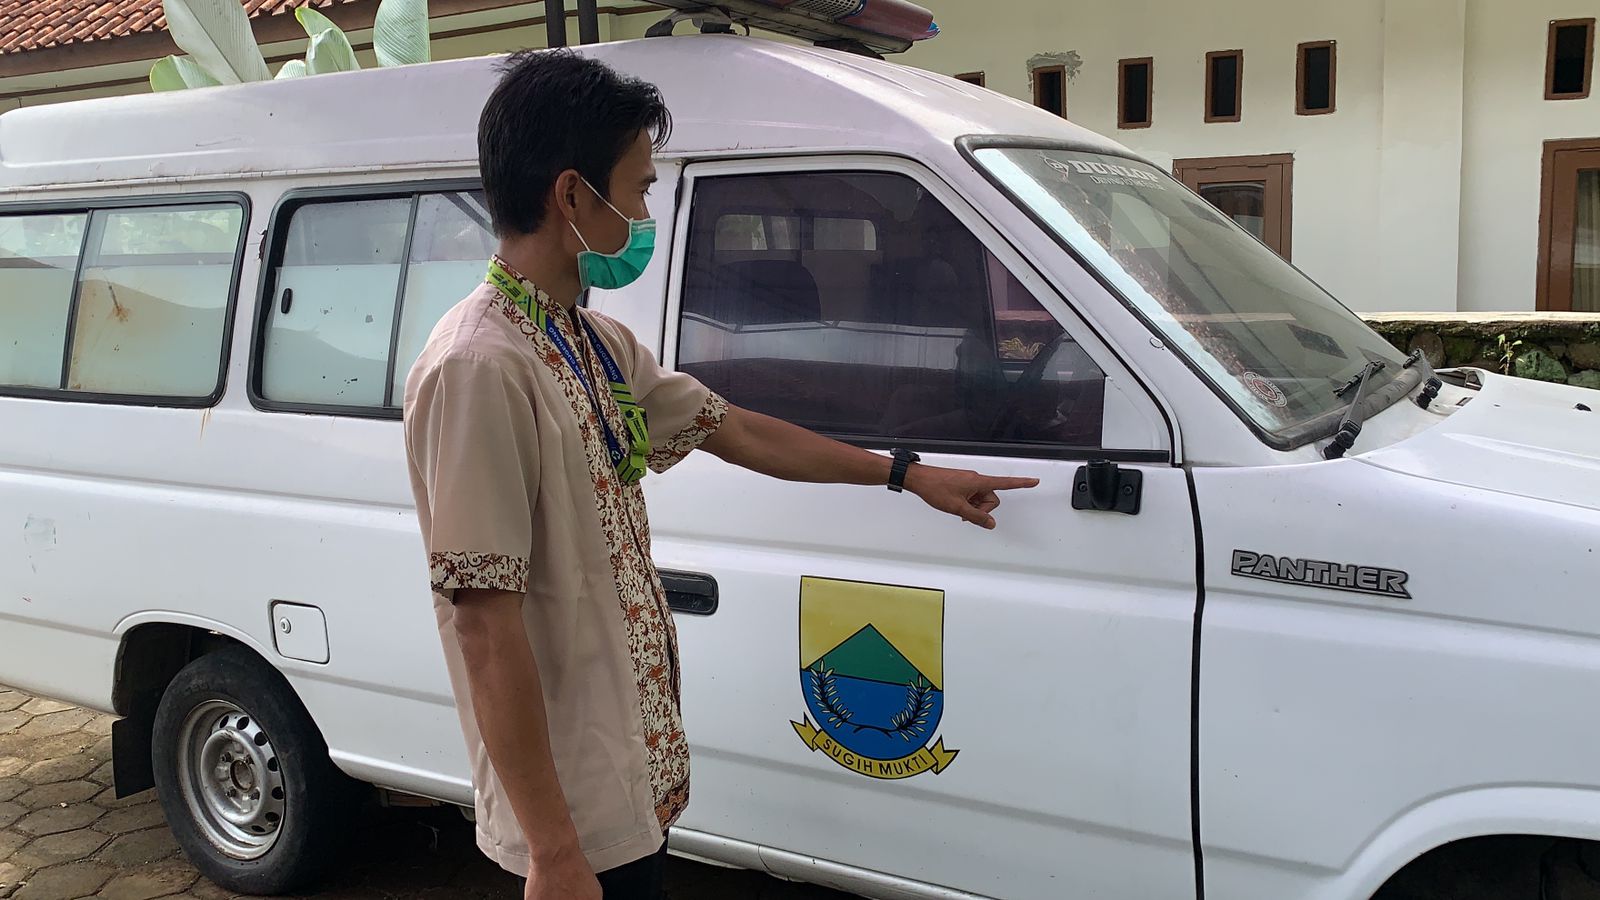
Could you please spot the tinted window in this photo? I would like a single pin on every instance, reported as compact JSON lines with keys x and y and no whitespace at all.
{"x":357,"y":287}
{"x":883,"y":318}
{"x":1136,"y":91}
{"x":1316,"y":87}
{"x":1223,"y":85}
{"x":1571,"y":54}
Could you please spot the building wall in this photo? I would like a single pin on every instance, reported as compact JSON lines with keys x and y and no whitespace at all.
{"x":1336,"y":166}
{"x":1420,"y":192}
{"x":1506,"y":122}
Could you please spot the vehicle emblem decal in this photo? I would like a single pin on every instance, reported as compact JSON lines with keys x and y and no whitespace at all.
{"x":1265,"y":389}
{"x":1374,"y":580}
{"x":872,"y":673}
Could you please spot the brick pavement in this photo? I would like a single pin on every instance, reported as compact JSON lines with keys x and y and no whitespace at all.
{"x":63,"y":835}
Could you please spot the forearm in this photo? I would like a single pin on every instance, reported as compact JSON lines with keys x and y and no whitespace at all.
{"x":778,"y":449}
{"x":508,"y":704}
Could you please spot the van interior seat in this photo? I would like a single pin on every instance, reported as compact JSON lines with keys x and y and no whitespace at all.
{"x":761,"y":292}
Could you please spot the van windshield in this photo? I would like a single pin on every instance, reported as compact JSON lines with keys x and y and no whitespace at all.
{"x":1274,"y":343}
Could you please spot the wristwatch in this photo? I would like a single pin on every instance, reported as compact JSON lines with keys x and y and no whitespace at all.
{"x":903,"y":459}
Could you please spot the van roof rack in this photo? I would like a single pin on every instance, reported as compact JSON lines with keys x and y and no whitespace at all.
{"x":869,"y":27}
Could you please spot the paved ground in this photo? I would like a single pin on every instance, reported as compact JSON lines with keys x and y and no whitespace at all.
{"x":63,"y":836}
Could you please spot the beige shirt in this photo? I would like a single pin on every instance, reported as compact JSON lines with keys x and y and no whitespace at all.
{"x":515,"y":491}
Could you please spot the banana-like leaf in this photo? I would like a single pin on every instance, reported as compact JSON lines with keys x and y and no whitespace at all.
{"x":216,"y":33}
{"x":175,"y":73}
{"x":294,"y":68}
{"x":400,"y":32}
{"x":330,"y":52}
{"x":312,"y":21}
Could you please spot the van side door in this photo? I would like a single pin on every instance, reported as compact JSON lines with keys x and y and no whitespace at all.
{"x":877,"y":693}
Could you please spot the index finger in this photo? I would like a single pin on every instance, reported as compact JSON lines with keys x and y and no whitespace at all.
{"x":995,"y":483}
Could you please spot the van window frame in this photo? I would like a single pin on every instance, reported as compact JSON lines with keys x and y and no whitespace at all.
{"x":88,"y":207}
{"x":1102,"y":351}
{"x":272,"y":248}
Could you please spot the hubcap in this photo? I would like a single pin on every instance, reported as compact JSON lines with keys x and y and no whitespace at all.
{"x":231,"y":779}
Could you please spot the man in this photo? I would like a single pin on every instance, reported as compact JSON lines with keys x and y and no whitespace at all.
{"x":528,"y":425}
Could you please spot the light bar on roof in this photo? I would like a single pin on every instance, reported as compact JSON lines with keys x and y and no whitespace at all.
{"x":894,"y":18}
{"x":884,"y":26}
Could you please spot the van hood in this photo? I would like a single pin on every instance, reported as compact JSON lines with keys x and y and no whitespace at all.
{"x":1512,"y":436}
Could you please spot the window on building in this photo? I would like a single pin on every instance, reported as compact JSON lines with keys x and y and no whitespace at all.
{"x":1254,"y":191}
{"x":1315,"y":78}
{"x":1569,"y":227}
{"x":1569,"y":59}
{"x":356,"y":287}
{"x":1050,"y":89}
{"x":887,"y":320}
{"x":1224,"y":85}
{"x":1135,"y":92}
{"x":976,"y":78}
{"x":122,"y":303}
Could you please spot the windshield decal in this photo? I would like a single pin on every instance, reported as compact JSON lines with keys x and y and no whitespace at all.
{"x":1374,"y":580}
{"x":1264,"y":388}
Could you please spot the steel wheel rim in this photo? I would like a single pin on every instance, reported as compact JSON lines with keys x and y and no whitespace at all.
{"x":231,"y":780}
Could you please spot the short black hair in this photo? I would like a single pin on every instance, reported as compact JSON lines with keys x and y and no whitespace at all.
{"x":555,"y":110}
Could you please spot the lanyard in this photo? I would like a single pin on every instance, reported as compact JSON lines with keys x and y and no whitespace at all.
{"x":629,"y":463}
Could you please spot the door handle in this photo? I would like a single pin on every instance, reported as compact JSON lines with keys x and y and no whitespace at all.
{"x":692,"y":593}
{"x":1102,"y":485}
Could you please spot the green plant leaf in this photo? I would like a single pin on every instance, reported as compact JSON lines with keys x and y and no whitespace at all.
{"x":216,"y":34}
{"x":312,"y":21}
{"x":164,"y":75}
{"x":174,"y":73}
{"x":294,"y":68}
{"x":330,"y":52}
{"x":400,"y":32}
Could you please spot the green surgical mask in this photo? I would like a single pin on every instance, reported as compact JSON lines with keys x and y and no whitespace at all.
{"x":610,"y":271}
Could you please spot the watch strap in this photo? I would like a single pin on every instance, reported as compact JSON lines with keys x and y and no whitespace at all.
{"x":897,"y":470}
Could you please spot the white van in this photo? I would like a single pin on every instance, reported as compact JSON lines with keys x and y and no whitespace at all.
{"x":1209,"y":655}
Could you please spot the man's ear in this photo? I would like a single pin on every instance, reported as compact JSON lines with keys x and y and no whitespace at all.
{"x":565,"y":193}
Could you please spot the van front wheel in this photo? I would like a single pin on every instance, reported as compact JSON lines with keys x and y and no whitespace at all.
{"x":244,"y":776}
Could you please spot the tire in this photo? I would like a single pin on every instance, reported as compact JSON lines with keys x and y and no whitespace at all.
{"x":244,"y":777}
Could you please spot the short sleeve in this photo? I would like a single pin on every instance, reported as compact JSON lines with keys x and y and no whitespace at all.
{"x":681,"y":411}
{"x":473,"y":448}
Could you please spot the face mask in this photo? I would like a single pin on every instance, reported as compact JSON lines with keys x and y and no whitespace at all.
{"x":610,"y":271}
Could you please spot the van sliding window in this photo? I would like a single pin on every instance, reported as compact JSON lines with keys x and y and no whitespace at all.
{"x":120,"y":303}
{"x":355,"y":285}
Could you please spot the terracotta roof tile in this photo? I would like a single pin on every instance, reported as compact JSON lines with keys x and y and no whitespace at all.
{"x":32,"y":24}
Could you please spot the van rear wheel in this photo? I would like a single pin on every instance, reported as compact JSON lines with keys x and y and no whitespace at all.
{"x":244,"y":777}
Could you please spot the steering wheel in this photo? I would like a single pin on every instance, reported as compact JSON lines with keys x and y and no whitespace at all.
{"x":1005,"y":425}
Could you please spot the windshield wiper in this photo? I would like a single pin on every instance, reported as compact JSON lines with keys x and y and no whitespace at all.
{"x":1350,"y":425}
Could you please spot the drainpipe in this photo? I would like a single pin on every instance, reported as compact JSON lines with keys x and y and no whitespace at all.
{"x":588,"y":22}
{"x":555,"y":23}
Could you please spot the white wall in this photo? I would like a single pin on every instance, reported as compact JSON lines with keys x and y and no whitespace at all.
{"x":1420,"y":193}
{"x":1506,"y":122}
{"x":1337,"y":164}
